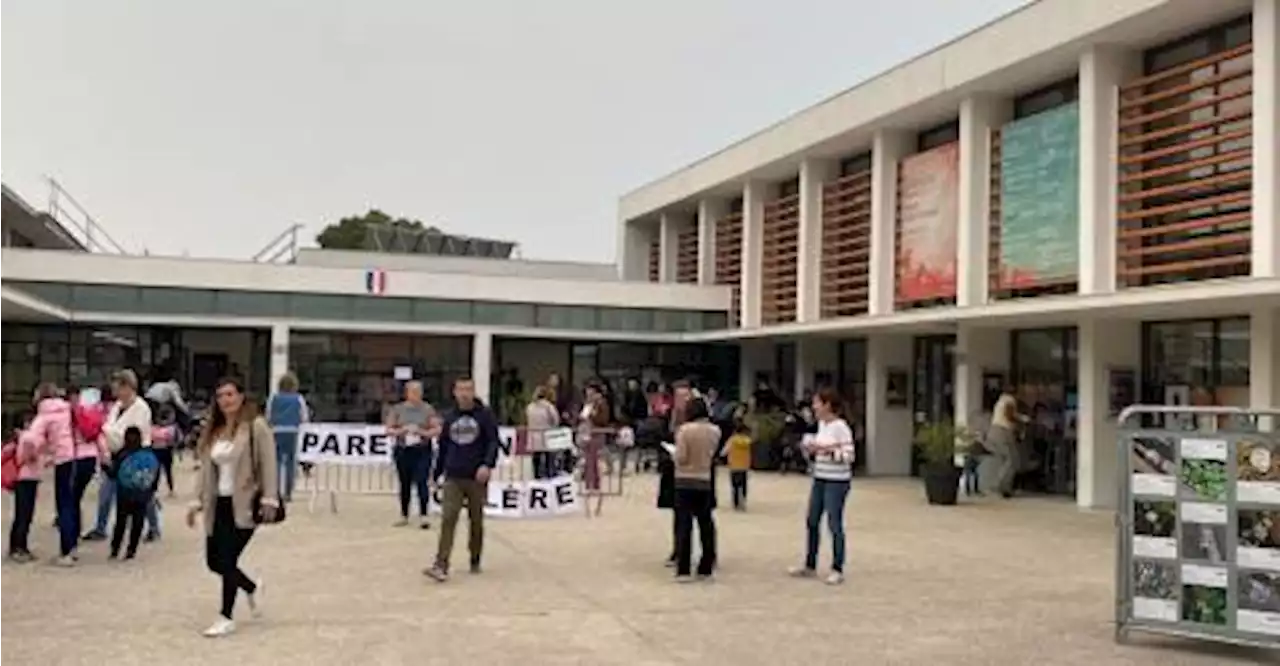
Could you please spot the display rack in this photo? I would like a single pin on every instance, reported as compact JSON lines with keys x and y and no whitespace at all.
{"x":1198,"y":538}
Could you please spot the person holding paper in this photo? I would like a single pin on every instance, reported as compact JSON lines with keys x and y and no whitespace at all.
{"x":833,"y":455}
{"x":413,"y":423}
{"x":697,"y":443}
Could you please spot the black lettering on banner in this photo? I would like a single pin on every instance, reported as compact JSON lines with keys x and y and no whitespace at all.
{"x":537,"y":497}
{"x":510,"y":498}
{"x":378,"y":444}
{"x":564,"y":493}
{"x":310,"y":440}
{"x":330,"y":445}
{"x":355,"y":445}
{"x":505,"y":444}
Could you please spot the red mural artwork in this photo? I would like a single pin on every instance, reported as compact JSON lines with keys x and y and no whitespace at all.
{"x":929,"y":222}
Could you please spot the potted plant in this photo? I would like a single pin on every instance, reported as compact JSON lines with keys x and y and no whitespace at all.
{"x":936,"y":443}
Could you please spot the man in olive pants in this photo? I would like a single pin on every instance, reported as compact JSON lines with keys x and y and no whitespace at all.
{"x":468,"y":450}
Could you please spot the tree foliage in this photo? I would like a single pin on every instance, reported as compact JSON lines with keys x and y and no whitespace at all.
{"x":349,"y":232}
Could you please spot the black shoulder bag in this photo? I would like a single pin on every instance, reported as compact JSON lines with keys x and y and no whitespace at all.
{"x":256,"y":505}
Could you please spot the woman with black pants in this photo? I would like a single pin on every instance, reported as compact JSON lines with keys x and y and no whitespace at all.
{"x":237,"y":456}
{"x":697,"y":443}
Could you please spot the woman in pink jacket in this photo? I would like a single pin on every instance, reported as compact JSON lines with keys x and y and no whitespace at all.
{"x":30,"y":464}
{"x":53,"y":432}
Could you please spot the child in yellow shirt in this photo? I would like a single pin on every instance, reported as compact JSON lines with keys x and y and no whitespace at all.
{"x":739,"y":454}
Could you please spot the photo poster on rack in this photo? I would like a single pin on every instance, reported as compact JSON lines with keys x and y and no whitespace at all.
{"x":1257,"y":528}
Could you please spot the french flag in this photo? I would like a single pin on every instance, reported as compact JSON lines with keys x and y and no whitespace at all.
{"x":375,"y":281}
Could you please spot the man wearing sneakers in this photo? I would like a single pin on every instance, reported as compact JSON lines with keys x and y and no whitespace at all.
{"x":468,"y":450}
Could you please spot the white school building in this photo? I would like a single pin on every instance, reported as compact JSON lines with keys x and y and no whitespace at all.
{"x":1078,"y":199}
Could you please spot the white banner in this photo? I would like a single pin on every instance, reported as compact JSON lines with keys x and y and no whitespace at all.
{"x":344,"y":444}
{"x":543,"y":498}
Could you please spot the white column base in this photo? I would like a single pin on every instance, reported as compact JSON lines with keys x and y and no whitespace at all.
{"x":279,"y":364}
{"x":1264,"y":364}
{"x":481,"y":364}
{"x":1105,"y":345}
{"x":889,"y":429}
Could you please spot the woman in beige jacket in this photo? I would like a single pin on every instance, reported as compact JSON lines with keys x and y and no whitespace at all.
{"x":237,"y":457}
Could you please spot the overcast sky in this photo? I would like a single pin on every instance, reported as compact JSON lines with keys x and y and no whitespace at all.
{"x":208,"y":127}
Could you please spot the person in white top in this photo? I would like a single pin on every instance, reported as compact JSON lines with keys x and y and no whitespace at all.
{"x":128,"y":411}
{"x":832,"y":453}
{"x":1002,"y":441}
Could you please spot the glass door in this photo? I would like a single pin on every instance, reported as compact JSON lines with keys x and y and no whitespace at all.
{"x":933,"y":390}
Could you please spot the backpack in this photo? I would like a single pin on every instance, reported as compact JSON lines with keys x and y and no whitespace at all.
{"x":138,"y":472}
{"x":89,"y":420}
{"x":9,"y":469}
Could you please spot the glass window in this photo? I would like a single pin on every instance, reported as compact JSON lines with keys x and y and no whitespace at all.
{"x":320,"y":306}
{"x":430,"y":309}
{"x":1233,"y":345}
{"x":56,"y":293}
{"x":1051,"y":96}
{"x":675,"y":320}
{"x":566,"y":316}
{"x":252,"y":303}
{"x":381,"y":308}
{"x":855,"y":164}
{"x":176,"y":301}
{"x":941,"y":135}
{"x":1196,"y":360}
{"x":626,"y":319}
{"x":715,"y":321}
{"x":104,"y":298}
{"x":504,"y":314}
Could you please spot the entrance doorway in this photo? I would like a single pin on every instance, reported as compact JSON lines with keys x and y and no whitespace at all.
{"x":933,"y":391}
{"x":1045,"y":381}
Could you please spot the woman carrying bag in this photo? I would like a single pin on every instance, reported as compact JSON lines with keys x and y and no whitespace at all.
{"x":236,"y":489}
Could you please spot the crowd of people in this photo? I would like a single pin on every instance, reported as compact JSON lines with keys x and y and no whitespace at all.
{"x":246,"y":465}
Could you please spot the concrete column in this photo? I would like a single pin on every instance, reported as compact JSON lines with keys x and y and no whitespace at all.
{"x":709,"y":210}
{"x":633,"y":251}
{"x":1266,"y":138}
{"x":814,"y":356}
{"x":888,"y":148}
{"x":979,"y":115}
{"x":668,"y":245}
{"x":1264,"y":363}
{"x":1105,"y":345}
{"x":752,"y":251}
{"x":813,"y":173}
{"x":978,"y":351}
{"x":481,"y":363}
{"x":1102,"y":69}
{"x":889,"y":429}
{"x":279,"y":363}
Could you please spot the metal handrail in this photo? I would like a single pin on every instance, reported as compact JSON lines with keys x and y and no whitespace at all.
{"x":281,"y":249}
{"x":95,"y":236}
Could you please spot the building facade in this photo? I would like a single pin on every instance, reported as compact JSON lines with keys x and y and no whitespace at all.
{"x":1078,"y":198}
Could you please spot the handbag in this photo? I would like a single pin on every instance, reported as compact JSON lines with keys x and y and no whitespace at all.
{"x":256,"y":505}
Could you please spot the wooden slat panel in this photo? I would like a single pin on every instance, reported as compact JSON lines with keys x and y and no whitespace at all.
{"x":780,"y":252}
{"x":687,"y":255}
{"x":655,"y":258}
{"x":1185,"y":172}
{"x":728,"y":248}
{"x":846,"y":246}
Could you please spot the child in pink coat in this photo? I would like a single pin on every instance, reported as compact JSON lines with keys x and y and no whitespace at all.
{"x":31,"y":462}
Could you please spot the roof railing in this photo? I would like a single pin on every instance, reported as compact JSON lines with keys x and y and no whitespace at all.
{"x":68,"y":212}
{"x":283,"y":249}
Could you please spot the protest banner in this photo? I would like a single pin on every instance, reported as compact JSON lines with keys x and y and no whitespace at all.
{"x":344,"y":444}
{"x":543,"y":498}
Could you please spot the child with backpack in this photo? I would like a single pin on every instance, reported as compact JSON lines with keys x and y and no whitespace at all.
{"x":23,"y":462}
{"x":136,"y":471}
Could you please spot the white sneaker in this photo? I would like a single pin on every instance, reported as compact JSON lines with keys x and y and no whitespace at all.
{"x":801,"y":572}
{"x":254,"y":609}
{"x":66,"y":561}
{"x":221,"y":627}
{"x":834,"y":578}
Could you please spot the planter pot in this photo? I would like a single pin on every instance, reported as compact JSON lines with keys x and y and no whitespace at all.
{"x":942,"y":483}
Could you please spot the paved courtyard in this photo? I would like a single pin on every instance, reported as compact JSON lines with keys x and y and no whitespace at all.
{"x":1025,"y":582}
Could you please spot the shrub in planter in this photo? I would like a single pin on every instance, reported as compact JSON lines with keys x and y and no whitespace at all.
{"x":936,"y":443}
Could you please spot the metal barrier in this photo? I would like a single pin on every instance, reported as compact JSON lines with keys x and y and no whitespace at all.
{"x":521,"y":457}
{"x":1198,"y":525}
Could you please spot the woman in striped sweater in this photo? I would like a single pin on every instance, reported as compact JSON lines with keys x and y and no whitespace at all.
{"x":831,"y":451}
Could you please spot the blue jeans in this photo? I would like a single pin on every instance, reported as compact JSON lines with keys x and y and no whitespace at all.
{"x":107,"y":499}
{"x":286,"y":462}
{"x":70,"y":479}
{"x":826,"y":497}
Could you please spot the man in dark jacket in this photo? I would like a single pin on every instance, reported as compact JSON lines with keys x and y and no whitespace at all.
{"x":468,"y":451}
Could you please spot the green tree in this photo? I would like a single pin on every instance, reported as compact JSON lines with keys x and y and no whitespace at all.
{"x":349,"y":232}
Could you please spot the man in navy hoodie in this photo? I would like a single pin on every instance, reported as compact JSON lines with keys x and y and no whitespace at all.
{"x":468,"y":451}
